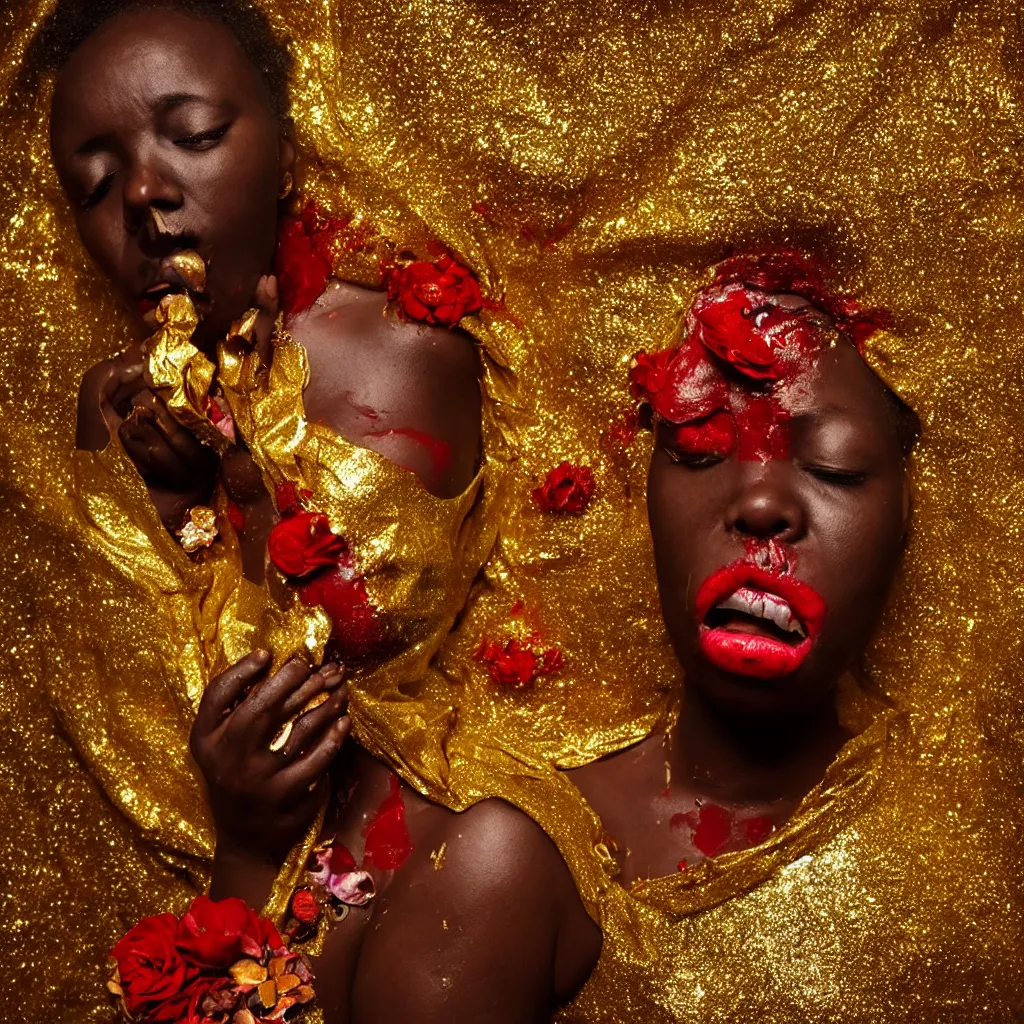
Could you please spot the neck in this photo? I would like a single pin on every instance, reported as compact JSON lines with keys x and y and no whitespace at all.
{"x":754,"y":759}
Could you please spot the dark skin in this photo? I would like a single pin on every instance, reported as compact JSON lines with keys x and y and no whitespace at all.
{"x":841,"y":502}
{"x":162,"y":111}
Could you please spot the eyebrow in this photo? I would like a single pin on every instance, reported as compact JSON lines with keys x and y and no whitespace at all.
{"x":167,"y":102}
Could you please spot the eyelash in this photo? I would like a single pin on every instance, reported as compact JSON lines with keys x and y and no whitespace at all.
{"x":200,"y":139}
{"x":98,"y":194}
{"x":837,"y":477}
{"x":695,"y":462}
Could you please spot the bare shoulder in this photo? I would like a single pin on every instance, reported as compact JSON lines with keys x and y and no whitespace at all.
{"x":478,"y":918}
{"x":407,"y":390}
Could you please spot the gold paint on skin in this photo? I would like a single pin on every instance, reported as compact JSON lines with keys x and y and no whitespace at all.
{"x":612,"y":154}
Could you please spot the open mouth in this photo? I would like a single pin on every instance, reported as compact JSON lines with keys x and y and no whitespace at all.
{"x":181,"y":273}
{"x":757,"y":623}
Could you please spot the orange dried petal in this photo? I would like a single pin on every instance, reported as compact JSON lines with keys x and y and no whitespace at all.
{"x":248,"y":972}
{"x":268,"y":993}
{"x":278,"y":966}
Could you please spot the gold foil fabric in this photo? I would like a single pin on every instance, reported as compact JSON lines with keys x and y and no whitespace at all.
{"x":588,"y":162}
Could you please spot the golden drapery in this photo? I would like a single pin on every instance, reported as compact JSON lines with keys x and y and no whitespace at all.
{"x":588,"y":163}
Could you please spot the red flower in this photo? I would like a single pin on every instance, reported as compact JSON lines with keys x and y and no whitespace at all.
{"x":341,"y":592}
{"x":566,"y":489}
{"x":725,"y":324}
{"x":305,"y":257}
{"x":388,"y":844}
{"x":305,"y":908}
{"x":439,"y":293}
{"x":303,"y":542}
{"x":693,"y":387}
{"x":649,"y":373}
{"x":515,"y":664}
{"x":217,"y":933}
{"x":157,"y":982}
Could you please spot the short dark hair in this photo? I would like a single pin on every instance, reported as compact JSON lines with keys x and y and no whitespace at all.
{"x":73,"y":21}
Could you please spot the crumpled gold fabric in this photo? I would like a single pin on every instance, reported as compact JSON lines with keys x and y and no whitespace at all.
{"x":588,"y":163}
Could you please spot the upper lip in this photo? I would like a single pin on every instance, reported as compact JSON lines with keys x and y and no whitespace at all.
{"x":778,"y":597}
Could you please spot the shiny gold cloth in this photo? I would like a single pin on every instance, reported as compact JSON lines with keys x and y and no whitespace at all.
{"x":588,"y":163}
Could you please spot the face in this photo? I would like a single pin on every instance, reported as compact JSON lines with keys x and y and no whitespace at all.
{"x":164,"y":139}
{"x":774,"y":560}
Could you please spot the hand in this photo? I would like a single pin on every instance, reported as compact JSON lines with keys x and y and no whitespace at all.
{"x":262,"y":800}
{"x":169,"y":457}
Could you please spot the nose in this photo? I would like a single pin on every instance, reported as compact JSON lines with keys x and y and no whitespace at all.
{"x":146,"y":188}
{"x":766,"y":505}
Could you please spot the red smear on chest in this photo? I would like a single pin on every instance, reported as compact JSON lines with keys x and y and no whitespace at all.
{"x":388,"y":844}
{"x":757,"y":830}
{"x":710,"y":826}
{"x":440,"y":452}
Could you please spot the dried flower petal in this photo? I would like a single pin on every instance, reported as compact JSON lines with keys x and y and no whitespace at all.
{"x":201,"y":529}
{"x":267,"y":993}
{"x":248,"y":972}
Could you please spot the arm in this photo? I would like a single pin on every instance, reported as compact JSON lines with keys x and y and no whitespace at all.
{"x":497,"y":935}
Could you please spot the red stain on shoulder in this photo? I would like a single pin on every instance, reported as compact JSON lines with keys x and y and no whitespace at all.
{"x":440,"y":452}
{"x":711,"y":826}
{"x":388,"y":844}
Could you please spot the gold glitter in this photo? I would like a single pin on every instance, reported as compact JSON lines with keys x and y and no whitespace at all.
{"x":589,"y":162}
{"x":437,"y":856}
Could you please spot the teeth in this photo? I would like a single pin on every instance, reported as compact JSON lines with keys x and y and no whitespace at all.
{"x":764,"y":606}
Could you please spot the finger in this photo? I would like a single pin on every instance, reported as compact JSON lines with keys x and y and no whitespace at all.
{"x":328,"y":678}
{"x":259,"y":714}
{"x":307,"y":769}
{"x":308,"y":726}
{"x":181,"y":441}
{"x":269,"y":305}
{"x":118,"y":378}
{"x":225,"y":689}
{"x":145,"y":445}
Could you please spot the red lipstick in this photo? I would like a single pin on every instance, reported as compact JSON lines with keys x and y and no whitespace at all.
{"x":777,"y":598}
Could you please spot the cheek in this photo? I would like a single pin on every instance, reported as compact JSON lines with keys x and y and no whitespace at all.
{"x":863,"y":542}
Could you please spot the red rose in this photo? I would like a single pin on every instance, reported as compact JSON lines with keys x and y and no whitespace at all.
{"x":515,"y":664}
{"x":157,"y":983}
{"x":567,"y":489}
{"x":648,"y":373}
{"x":439,"y":293}
{"x":305,"y":908}
{"x":305,"y":257}
{"x":217,"y":933}
{"x":724,"y":322}
{"x":689,"y":385}
{"x":303,"y":542}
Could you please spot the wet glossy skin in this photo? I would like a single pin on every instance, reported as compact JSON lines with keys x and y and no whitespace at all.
{"x":161,"y":110}
{"x":839,"y":505}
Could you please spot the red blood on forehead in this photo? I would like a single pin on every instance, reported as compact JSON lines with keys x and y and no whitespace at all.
{"x":762,"y":428}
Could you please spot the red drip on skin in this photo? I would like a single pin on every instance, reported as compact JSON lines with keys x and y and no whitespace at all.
{"x":763,"y":429}
{"x":440,"y":452}
{"x":713,"y":828}
{"x":388,"y":843}
{"x":752,"y":655}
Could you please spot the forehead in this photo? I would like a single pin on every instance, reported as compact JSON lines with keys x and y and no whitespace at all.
{"x":133,"y":60}
{"x":840,"y":382}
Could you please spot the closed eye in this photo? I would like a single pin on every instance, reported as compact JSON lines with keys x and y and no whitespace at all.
{"x":837,"y":477}
{"x":98,"y":194}
{"x":693,"y":460}
{"x":203,"y":140}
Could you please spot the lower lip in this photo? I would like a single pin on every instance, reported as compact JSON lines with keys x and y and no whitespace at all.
{"x":746,"y":654}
